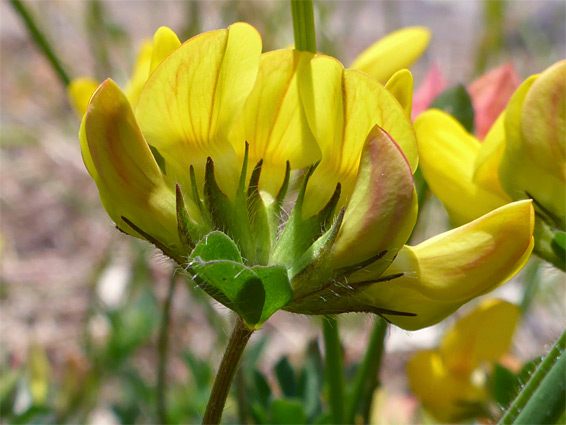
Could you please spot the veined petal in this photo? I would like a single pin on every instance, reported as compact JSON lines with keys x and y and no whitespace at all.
{"x":444,"y":272}
{"x":139,"y":73}
{"x":483,"y":335}
{"x":273,"y":121}
{"x":342,"y":106}
{"x":447,"y":157}
{"x":543,"y":120}
{"x":191,"y":100}
{"x":490,"y":94}
{"x":486,"y":165}
{"x":537,"y":179}
{"x":129,"y":180}
{"x":401,"y":86}
{"x":80,"y":90}
{"x":165,"y":42}
{"x":447,"y":396}
{"x":393,"y":52}
{"x":382,"y":211}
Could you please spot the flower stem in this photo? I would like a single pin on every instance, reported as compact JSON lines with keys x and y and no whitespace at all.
{"x":162,"y":351}
{"x":334,"y":368}
{"x":226,"y":372}
{"x":542,"y":399}
{"x":366,"y":377}
{"x":40,"y":41}
{"x":303,"y":25}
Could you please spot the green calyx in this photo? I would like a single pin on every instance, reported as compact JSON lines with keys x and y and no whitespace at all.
{"x":243,"y":255}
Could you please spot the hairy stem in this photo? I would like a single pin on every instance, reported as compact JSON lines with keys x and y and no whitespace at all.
{"x":162,"y":351}
{"x":334,"y":368}
{"x":226,"y":372}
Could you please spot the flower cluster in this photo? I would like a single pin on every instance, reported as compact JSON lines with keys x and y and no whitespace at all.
{"x":523,"y":156}
{"x":283,"y":180}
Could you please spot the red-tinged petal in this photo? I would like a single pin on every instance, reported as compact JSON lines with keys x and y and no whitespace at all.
{"x":382,"y":211}
{"x":129,"y":180}
{"x":490,"y":95}
{"x":443,"y":273}
{"x":431,"y":87}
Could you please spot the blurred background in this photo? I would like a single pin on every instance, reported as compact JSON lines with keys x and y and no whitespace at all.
{"x":81,"y":303}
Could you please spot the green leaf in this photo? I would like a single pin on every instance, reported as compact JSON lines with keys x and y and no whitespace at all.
{"x":201,"y":370}
{"x":542,"y":399}
{"x":559,"y":243}
{"x":263,"y":392}
{"x":504,"y":385}
{"x":259,"y":414}
{"x":217,"y":246}
{"x":548,"y":402}
{"x":457,"y":102}
{"x":287,"y":412}
{"x":254,"y":293}
{"x":278,"y":290}
{"x":286,"y":377}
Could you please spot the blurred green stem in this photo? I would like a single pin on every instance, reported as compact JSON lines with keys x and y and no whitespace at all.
{"x":303,"y":25}
{"x":334,"y":368}
{"x":226,"y":372}
{"x":98,"y":37}
{"x":541,"y":400}
{"x":531,"y":285}
{"x":162,"y":347}
{"x":40,"y":40}
{"x":366,"y":378}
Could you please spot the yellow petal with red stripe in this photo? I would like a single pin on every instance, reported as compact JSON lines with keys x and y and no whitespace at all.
{"x":190,"y":101}
{"x":442,"y":273}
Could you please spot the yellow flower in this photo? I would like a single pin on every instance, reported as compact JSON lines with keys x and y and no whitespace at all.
{"x":394,"y":52}
{"x":201,"y":163}
{"x":522,"y":157}
{"x":387,"y":59}
{"x":472,"y":178}
{"x":448,"y":379}
{"x":149,"y":56}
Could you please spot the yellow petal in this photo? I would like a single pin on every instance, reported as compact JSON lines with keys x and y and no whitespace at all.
{"x":393,"y":52}
{"x":79,"y":91}
{"x":129,"y":180}
{"x":191,"y":100}
{"x":537,"y":179}
{"x":543,"y":120}
{"x":446,"y":396}
{"x":139,"y":73}
{"x":483,"y":335}
{"x":273,"y":121}
{"x":447,"y":156}
{"x":165,"y":41}
{"x":486,"y":165}
{"x":342,"y":106}
{"x":444,"y":272}
{"x":401,"y":86}
{"x":382,"y":212}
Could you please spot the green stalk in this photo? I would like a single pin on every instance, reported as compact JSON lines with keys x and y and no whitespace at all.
{"x":162,"y":351}
{"x":334,"y":369}
{"x":303,"y":25}
{"x":226,"y":372}
{"x":40,"y":40}
{"x":366,"y":377}
{"x":542,"y":399}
